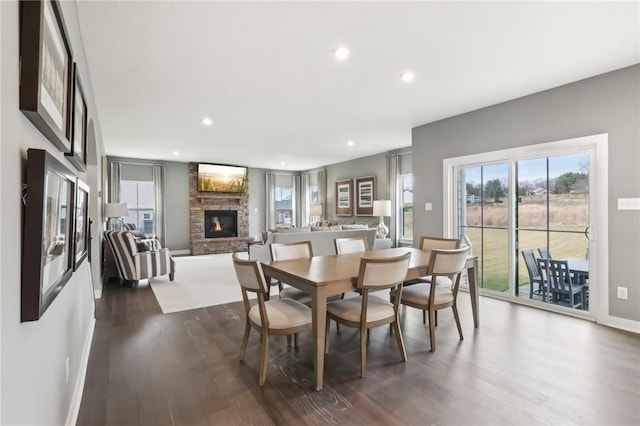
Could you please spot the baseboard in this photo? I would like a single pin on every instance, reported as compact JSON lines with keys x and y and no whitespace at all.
{"x":76,"y":400}
{"x":621,"y":324}
{"x":180,"y":252}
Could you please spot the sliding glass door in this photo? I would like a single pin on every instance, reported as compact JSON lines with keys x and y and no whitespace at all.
{"x":527,"y":217}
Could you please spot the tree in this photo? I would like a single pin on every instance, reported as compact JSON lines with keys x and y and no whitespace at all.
{"x":494,"y":189}
{"x":570,"y":181}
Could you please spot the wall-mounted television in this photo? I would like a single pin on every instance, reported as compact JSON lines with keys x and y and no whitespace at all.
{"x":221,"y":178}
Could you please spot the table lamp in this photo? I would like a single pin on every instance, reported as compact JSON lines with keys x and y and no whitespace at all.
{"x":115,"y":212}
{"x":382,"y":208}
{"x":315,"y":211}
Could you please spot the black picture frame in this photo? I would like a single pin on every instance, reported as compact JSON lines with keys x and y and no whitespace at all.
{"x":80,"y":224}
{"x":46,"y":61}
{"x":47,"y":259}
{"x":365,"y":188}
{"x":78,"y":154}
{"x":344,"y":197}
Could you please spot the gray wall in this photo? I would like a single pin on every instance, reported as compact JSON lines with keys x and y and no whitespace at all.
{"x":257,"y":202}
{"x":373,"y":165}
{"x":609,"y":103}
{"x":33,"y":355}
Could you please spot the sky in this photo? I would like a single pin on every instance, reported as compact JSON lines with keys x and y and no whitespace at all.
{"x":531,"y":169}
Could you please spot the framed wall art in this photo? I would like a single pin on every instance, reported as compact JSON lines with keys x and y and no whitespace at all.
{"x":46,"y":71}
{"x":78,"y":156}
{"x":365,"y":194}
{"x":47,"y":258}
{"x":80,"y":224}
{"x":344,"y":196}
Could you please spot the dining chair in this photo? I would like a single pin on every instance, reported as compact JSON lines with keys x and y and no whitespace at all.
{"x":432,"y":298}
{"x":563,"y":290}
{"x":299,"y":250}
{"x":350,"y":245}
{"x":270,"y":317}
{"x":366,"y":312}
{"x":535,"y":276}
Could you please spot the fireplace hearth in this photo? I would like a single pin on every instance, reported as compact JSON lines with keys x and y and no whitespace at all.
{"x":220,"y":223}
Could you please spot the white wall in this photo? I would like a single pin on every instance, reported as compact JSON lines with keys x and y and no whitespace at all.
{"x":34,"y":389}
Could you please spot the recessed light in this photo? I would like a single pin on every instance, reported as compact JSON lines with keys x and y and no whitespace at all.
{"x":283,"y":164}
{"x":349,"y":143}
{"x":341,"y":53}
{"x":175,"y":152}
{"x":407,"y":76}
{"x":207,"y":121}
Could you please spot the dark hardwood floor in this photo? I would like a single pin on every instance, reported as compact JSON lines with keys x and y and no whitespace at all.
{"x":521,"y":367}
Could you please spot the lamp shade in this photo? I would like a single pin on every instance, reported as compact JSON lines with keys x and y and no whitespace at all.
{"x":382,"y":207}
{"x":116,"y":210}
{"x":315,"y":209}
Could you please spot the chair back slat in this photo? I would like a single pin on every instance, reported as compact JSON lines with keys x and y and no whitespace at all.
{"x":383,"y":273}
{"x":447,"y":262}
{"x":350,"y":245}
{"x":544,"y":253}
{"x":559,"y":276}
{"x":302,"y":249}
{"x":430,"y":243}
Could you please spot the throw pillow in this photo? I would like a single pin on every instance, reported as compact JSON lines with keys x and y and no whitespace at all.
{"x":355,"y":226}
{"x":320,"y":228}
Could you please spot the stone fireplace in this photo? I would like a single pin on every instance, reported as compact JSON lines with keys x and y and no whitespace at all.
{"x":219,"y":222}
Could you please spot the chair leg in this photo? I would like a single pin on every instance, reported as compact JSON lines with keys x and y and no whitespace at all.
{"x":368,"y":334}
{"x":337,"y":328}
{"x":265,"y":358}
{"x":432,"y":329}
{"x":400,"y":341}
{"x":171,"y":275}
{"x":457,"y":318}
{"x":295,"y":340}
{"x":288,"y":340}
{"x":245,"y":339}
{"x":363,"y":352}
{"x":436,"y":317}
{"x":424,"y":316}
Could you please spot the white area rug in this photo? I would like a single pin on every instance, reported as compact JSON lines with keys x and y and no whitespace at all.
{"x":200,"y":281}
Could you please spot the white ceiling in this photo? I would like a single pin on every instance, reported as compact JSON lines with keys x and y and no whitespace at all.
{"x":266,"y":75}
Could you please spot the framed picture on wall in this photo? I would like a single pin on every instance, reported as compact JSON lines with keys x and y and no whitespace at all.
{"x":365,"y":194}
{"x":344,"y":203}
{"x":47,"y":257}
{"x":81,"y":224}
{"x":46,"y":71}
{"x":78,"y":155}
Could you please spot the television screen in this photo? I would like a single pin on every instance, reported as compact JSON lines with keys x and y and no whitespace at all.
{"x":221,"y":178}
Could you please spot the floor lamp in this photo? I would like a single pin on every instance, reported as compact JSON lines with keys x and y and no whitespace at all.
{"x":115,"y":212}
{"x":382,"y":208}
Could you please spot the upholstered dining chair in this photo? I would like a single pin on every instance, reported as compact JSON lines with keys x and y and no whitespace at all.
{"x":432,"y":298}
{"x":366,"y":312}
{"x":299,"y":250}
{"x":270,"y":317}
{"x":350,"y":245}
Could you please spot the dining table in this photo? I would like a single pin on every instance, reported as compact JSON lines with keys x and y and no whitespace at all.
{"x":323,"y":276}
{"x":579,"y":267}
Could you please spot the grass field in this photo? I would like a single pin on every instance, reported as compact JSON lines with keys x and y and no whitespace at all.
{"x":566,"y":213}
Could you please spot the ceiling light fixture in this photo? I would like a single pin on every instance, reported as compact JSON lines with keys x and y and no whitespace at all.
{"x":341,"y":53}
{"x":349,"y":143}
{"x":175,"y":153}
{"x":283,"y":164}
{"x":407,"y":76}
{"x":207,"y":121}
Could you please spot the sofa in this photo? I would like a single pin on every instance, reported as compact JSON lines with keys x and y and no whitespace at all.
{"x":321,"y":240}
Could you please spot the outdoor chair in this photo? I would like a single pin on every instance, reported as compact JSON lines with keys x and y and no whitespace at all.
{"x":544,"y":253}
{"x":366,"y":312}
{"x":535,"y":276}
{"x":562,"y":288}
{"x":270,"y":317}
{"x":432,"y":298}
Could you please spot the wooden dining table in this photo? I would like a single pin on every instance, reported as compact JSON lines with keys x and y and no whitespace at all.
{"x":323,"y":276}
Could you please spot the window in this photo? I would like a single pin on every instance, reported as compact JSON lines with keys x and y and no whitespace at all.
{"x":140,"y":199}
{"x":406,"y":206}
{"x":284,"y":205}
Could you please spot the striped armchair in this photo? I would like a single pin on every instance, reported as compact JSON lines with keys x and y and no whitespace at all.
{"x":135,"y":261}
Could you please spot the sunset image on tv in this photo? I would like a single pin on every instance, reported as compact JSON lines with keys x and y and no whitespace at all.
{"x":218,"y":178}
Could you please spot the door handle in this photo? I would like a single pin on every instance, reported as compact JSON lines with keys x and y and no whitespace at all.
{"x":587,"y":232}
